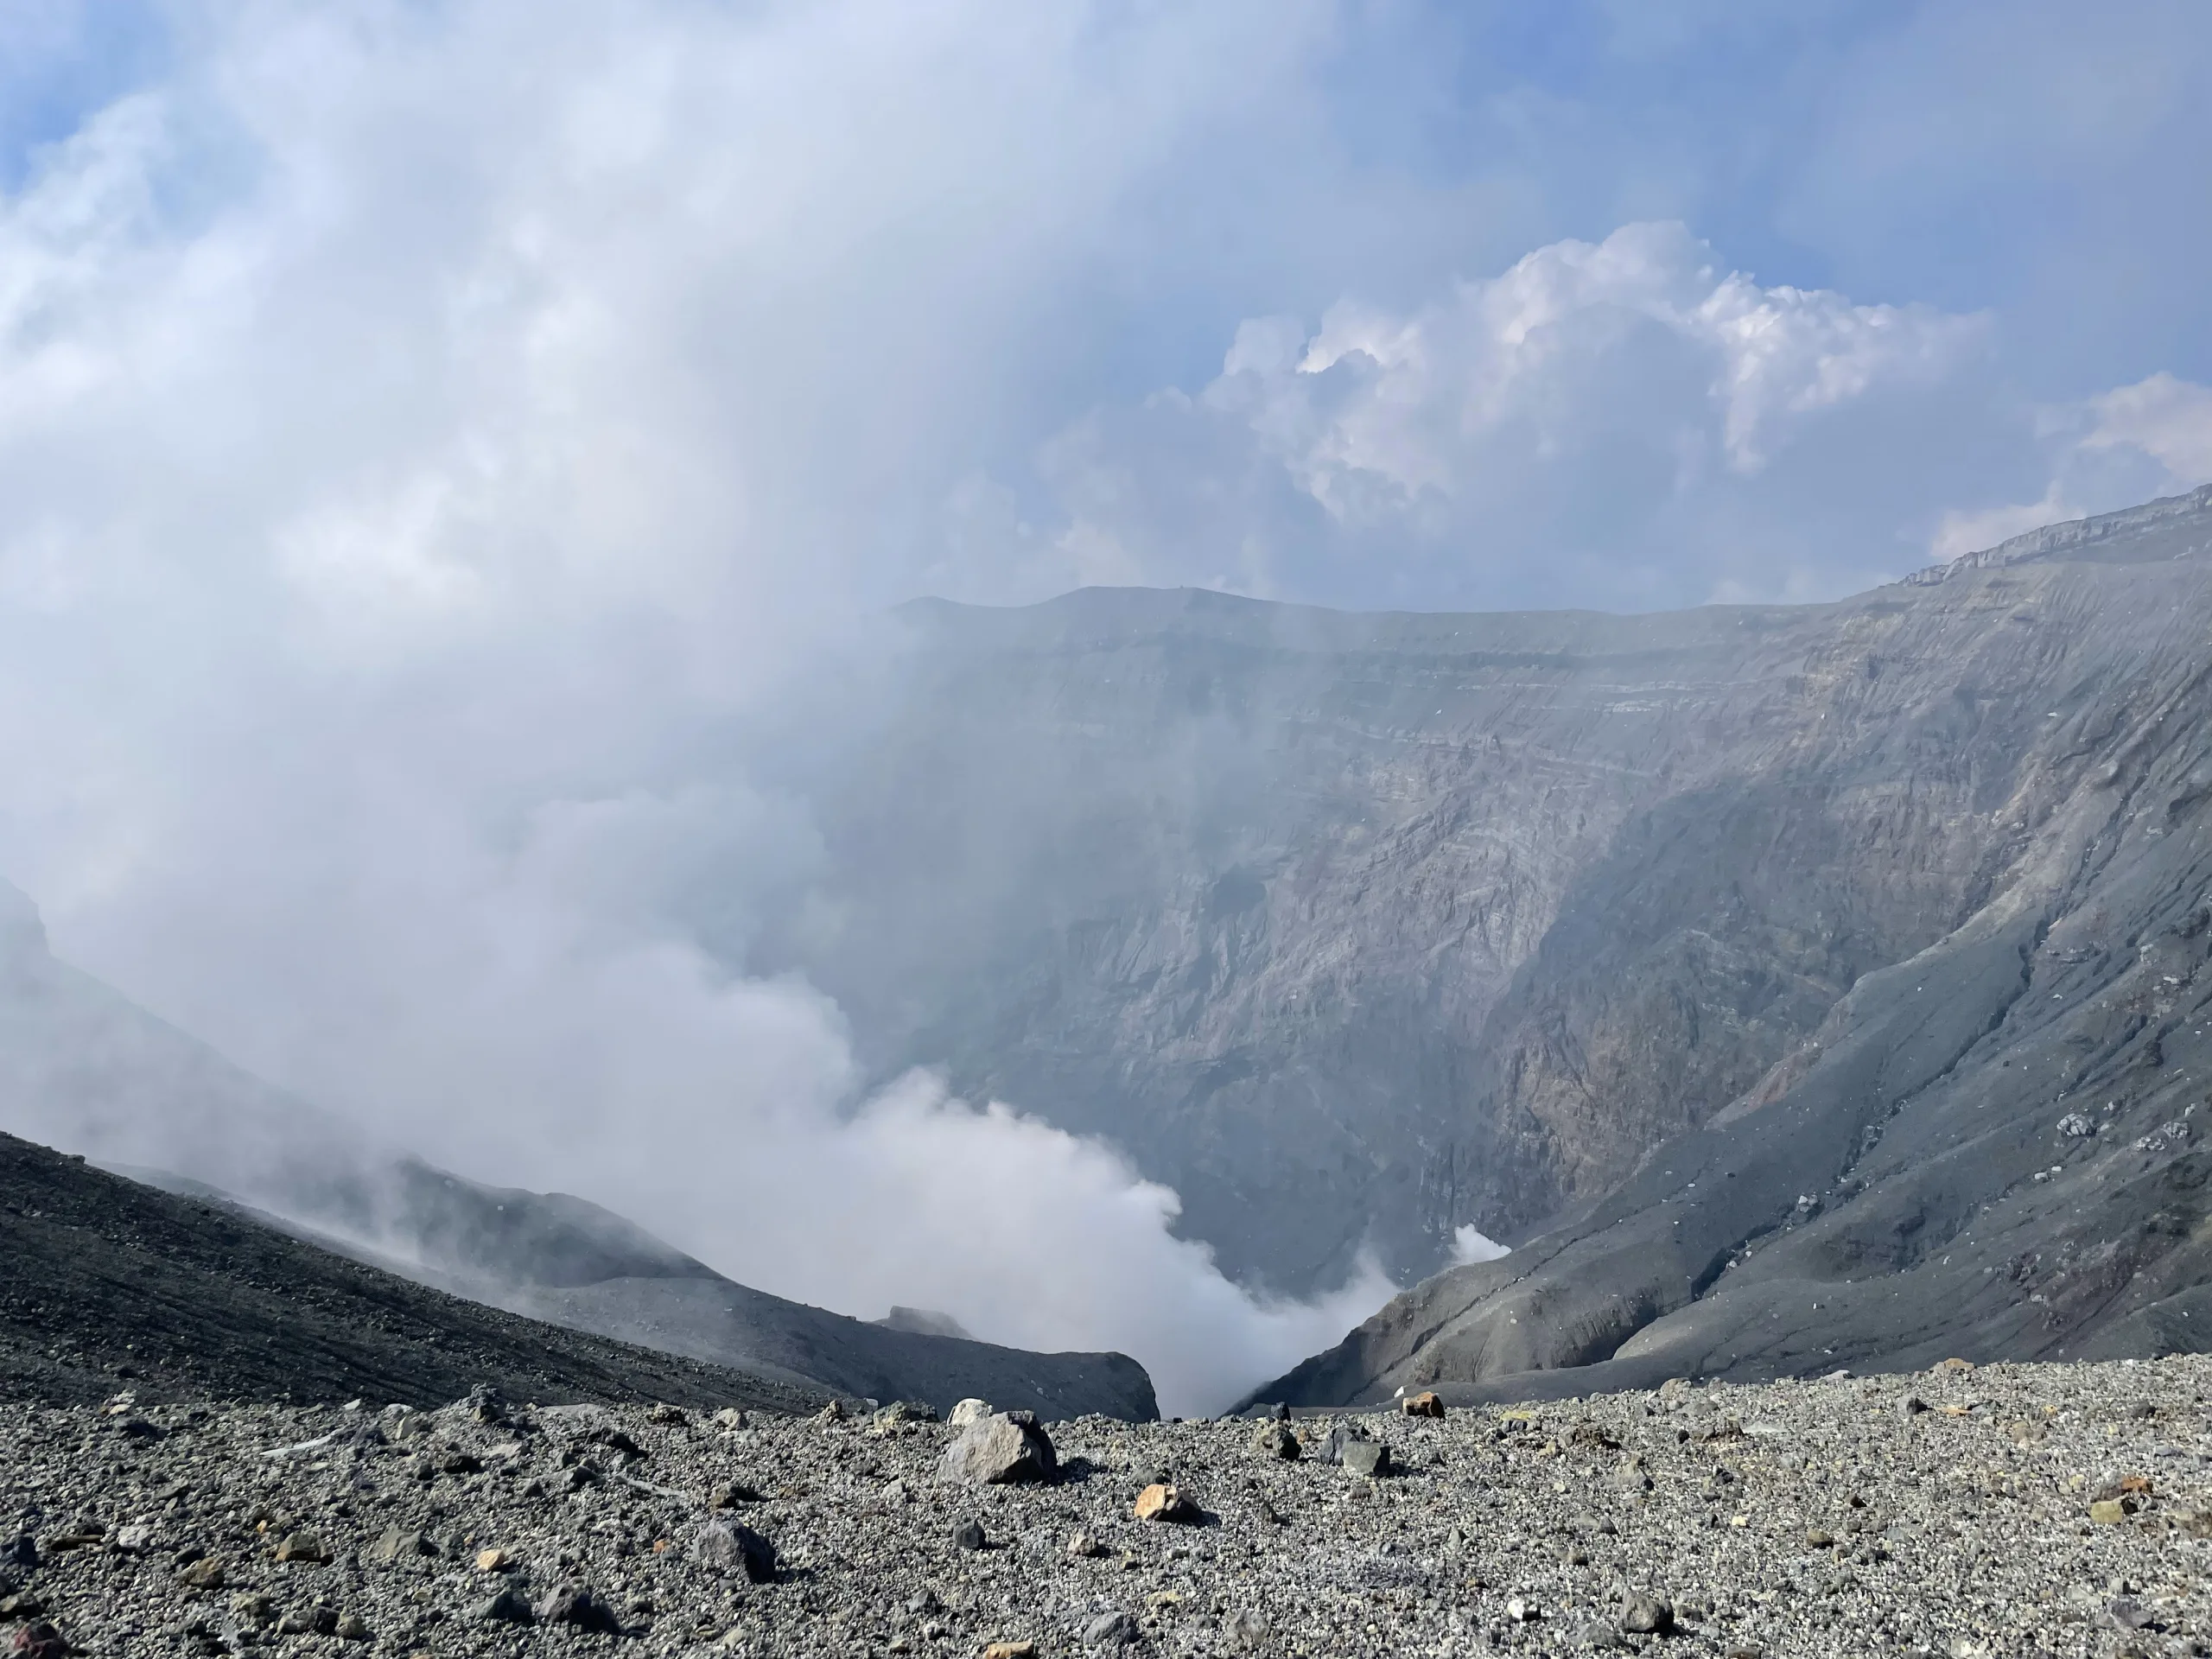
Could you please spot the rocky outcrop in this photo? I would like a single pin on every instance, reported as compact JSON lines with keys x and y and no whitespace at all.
{"x":1360,"y":929}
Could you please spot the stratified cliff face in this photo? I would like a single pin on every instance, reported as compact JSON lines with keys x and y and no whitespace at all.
{"x":1358,"y":929}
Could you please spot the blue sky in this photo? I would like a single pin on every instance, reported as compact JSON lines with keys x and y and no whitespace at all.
{"x":429,"y":427}
{"x":2039,"y":166}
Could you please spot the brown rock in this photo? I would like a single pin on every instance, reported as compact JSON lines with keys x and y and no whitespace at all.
{"x":208,"y":1572}
{"x":1161,"y":1502}
{"x":302,"y":1547}
{"x":1424,"y":1404}
{"x":1011,"y":1651}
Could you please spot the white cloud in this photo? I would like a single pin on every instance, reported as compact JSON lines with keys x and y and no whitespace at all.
{"x":1962,"y":532}
{"x":2167,"y":419}
{"x":1628,"y":417}
{"x":1504,"y":356}
{"x":2112,"y":449}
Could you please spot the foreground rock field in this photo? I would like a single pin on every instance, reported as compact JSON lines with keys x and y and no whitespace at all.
{"x":2004,"y":1511}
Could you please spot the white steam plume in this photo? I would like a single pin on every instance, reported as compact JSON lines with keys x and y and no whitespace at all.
{"x":429,"y":433}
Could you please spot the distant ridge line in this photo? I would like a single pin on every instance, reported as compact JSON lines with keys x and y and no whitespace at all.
{"x":2073,"y":532}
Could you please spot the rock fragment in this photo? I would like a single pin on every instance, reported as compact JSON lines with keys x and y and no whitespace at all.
{"x":503,"y":1607}
{"x":313,"y":1620}
{"x":1164,"y":1501}
{"x":733,"y":1547}
{"x":1002,"y":1449}
{"x":397,"y":1544}
{"x":969,"y":1534}
{"x":1369,"y":1457}
{"x":1647,"y":1615}
{"x":579,"y":1605}
{"x":1340,"y":1435}
{"x":1424,"y":1404}
{"x":968,"y":1411}
{"x":303,"y":1547}
{"x":1274,"y":1439}
{"x":1113,"y":1629}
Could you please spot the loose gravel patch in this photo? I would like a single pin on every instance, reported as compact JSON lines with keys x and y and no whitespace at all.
{"x":2022,"y":1510}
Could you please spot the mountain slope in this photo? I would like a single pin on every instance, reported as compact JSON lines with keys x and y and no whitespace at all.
{"x":113,"y":1284}
{"x":1362,"y":928}
{"x":82,"y":1065}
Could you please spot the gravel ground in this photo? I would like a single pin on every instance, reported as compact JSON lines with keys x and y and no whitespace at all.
{"x":2009,"y":1509}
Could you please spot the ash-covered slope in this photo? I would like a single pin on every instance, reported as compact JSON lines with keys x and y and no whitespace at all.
{"x":82,"y":1065}
{"x":558,"y":1258}
{"x":1991,"y":1147}
{"x":115,"y":1285}
{"x":1366,"y":928}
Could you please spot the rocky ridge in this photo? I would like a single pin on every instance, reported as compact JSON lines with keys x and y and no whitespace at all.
{"x":83,"y":1066}
{"x":111,"y":1285}
{"x":1965,"y":1512}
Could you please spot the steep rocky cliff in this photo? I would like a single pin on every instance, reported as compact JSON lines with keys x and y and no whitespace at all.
{"x":1360,"y":929}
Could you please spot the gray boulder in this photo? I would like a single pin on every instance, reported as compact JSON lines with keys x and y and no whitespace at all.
{"x":725,"y":1543}
{"x":1000,"y":1450}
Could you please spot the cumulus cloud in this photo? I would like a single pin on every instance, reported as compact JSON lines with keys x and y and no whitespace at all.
{"x":1629,"y":419}
{"x":1629,"y":416}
